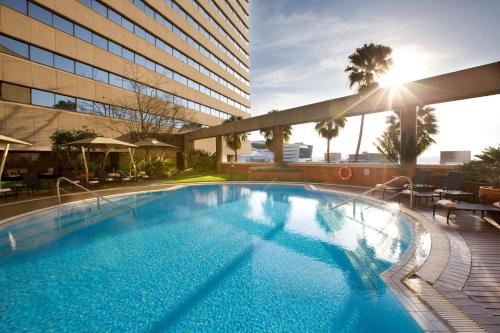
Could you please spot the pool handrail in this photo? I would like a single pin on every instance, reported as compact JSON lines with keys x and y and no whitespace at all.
{"x":377,"y":187}
{"x":95,"y":194}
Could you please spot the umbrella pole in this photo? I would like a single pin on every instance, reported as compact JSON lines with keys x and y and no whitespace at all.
{"x":2,"y":165}
{"x":131,"y":153}
{"x":106,"y":153}
{"x":85,"y":165}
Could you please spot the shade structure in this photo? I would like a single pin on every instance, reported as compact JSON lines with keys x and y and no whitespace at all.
{"x":153,"y":143}
{"x":100,"y":142}
{"x":7,"y":141}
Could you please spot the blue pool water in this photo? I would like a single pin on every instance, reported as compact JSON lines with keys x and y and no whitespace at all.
{"x":214,"y":258}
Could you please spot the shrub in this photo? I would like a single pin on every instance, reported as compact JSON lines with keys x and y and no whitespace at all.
{"x":200,"y":160}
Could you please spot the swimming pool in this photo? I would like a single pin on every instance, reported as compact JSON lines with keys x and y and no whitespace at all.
{"x":208,"y":258}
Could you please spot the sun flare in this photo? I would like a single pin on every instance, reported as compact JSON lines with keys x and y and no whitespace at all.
{"x":407,"y":66}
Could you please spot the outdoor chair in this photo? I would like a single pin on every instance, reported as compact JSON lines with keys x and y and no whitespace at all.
{"x":102,"y":176}
{"x":452,"y":187}
{"x":471,"y":207}
{"x":419,"y":182}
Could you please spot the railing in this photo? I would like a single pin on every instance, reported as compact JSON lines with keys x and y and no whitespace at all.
{"x":95,"y":194}
{"x":378,"y":187}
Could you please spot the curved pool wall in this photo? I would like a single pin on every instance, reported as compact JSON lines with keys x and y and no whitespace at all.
{"x":209,"y":258}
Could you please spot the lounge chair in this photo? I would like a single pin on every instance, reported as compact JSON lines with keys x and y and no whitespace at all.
{"x":419,"y":181}
{"x":471,"y":207}
{"x":102,"y":176}
{"x":452,"y":187}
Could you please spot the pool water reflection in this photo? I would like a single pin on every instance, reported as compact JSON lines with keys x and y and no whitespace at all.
{"x":212,"y":258}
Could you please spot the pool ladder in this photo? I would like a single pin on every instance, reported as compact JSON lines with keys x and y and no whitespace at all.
{"x":94,"y":193}
{"x":378,"y":187}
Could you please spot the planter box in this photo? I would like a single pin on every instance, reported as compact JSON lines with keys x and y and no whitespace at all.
{"x":489,"y":194}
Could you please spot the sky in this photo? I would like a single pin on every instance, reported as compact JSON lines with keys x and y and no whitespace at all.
{"x":299,"y":51}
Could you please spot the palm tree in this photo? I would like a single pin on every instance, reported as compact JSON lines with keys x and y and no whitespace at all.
{"x":330,"y":129}
{"x":389,"y":143}
{"x":234,"y":140}
{"x":365,"y":65}
{"x":268,"y":134}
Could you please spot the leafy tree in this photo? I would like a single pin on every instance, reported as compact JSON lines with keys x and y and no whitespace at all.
{"x":268,"y":134}
{"x":490,"y":155}
{"x":366,"y":64}
{"x":60,"y":137}
{"x":330,"y":129}
{"x":235,"y":140}
{"x":389,"y":143}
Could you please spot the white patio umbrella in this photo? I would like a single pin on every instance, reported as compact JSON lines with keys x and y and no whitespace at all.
{"x":100,"y":142}
{"x":5,"y":140}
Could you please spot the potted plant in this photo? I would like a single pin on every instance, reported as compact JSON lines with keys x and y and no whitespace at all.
{"x":490,"y":158}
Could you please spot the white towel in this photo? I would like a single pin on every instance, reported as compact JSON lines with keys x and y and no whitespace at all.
{"x":446,"y":203}
{"x":497,"y":204}
{"x":409,"y":192}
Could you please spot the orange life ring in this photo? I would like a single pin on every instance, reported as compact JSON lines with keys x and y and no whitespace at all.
{"x":341,"y":173}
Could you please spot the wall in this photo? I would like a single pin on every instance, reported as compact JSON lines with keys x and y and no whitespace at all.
{"x":363,"y":174}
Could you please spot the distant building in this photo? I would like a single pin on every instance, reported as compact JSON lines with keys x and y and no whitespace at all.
{"x":455,"y":157}
{"x":366,"y":157}
{"x":334,"y":157}
{"x":292,"y":152}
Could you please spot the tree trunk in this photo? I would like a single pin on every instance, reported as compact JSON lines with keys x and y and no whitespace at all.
{"x":327,"y":150}
{"x":236,"y":155}
{"x":359,"y":137}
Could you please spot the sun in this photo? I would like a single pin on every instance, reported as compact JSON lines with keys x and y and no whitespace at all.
{"x":407,"y":66}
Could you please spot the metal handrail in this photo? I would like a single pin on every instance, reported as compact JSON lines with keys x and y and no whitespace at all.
{"x":98,"y":196}
{"x":379,"y":186}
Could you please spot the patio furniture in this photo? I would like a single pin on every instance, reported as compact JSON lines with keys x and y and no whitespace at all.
{"x":418,"y":195}
{"x":102,"y":176}
{"x":419,"y":183}
{"x":106,"y":144}
{"x":452,"y":206}
{"x":452,"y":185}
{"x":7,"y":142}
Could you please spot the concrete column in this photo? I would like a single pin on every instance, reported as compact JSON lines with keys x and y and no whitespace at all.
{"x":408,"y":140}
{"x":188,"y":145}
{"x":278,"y":145}
{"x":218,"y":150}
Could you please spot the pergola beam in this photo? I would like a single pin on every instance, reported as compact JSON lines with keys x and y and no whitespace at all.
{"x":464,"y":84}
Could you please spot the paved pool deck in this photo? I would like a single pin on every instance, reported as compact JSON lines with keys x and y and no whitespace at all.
{"x":455,"y":288}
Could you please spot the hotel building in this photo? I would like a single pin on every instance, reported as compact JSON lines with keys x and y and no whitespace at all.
{"x":61,"y":61}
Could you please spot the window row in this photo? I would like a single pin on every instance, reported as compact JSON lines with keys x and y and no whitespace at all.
{"x":232,"y":11}
{"x":209,"y":17}
{"x":62,"y":24}
{"x":56,"y":101}
{"x":70,"y":28}
{"x":206,"y":34}
{"x":144,"y":34}
{"x":242,"y":7}
{"x":160,"y":18}
{"x":69,"y":65}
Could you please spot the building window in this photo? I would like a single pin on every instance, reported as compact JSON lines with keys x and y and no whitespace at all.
{"x":84,"y":70}
{"x":40,"y":14}
{"x":115,"y":48}
{"x":41,"y":56}
{"x":99,"y":41}
{"x":65,"y":102}
{"x":127,"y":24}
{"x":99,"y":8}
{"x":64,"y":63}
{"x":19,"y":5}
{"x":42,"y":98}
{"x":83,"y":33}
{"x":114,"y":16}
{"x":129,"y":55}
{"x":63,"y":25}
{"x":115,"y":80}
{"x":100,"y":75}
{"x":14,"y":47}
